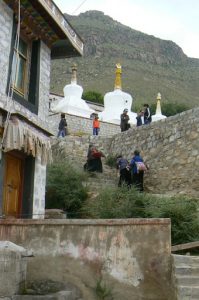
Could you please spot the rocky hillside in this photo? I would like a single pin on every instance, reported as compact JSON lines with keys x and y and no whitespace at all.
{"x":150,"y":65}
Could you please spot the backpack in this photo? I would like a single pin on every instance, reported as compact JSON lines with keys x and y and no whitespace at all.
{"x":140,"y":166}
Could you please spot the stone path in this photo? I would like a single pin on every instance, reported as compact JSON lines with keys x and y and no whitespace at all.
{"x":97,"y":181}
{"x":186,"y":276}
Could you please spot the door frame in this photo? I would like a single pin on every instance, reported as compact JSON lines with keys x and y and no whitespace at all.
{"x":18,"y":155}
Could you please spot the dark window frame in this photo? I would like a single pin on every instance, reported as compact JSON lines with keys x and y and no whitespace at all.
{"x":20,"y":56}
{"x":32,"y":101}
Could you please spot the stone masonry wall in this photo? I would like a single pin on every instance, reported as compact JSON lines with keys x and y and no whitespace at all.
{"x":170,"y":147}
{"x":6,"y":24}
{"x":131,"y":256}
{"x":44,"y":82}
{"x":5,"y":39}
{"x":82,"y":125}
{"x":75,"y":149}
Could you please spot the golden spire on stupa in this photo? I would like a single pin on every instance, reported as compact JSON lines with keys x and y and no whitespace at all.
{"x":74,"y":73}
{"x":118,"y":77}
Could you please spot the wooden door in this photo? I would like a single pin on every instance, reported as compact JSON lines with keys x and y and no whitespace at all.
{"x":12,"y":193}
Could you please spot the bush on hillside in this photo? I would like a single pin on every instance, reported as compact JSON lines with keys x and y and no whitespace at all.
{"x":93,"y":97}
{"x":183,"y":213}
{"x":168,"y":108}
{"x":111,"y":161}
{"x":128,"y":203}
{"x":64,"y":188}
{"x":118,"y":203}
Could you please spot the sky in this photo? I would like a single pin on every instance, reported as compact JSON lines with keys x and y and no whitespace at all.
{"x":175,"y":20}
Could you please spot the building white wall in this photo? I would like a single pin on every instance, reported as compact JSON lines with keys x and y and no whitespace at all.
{"x":44,"y":82}
{"x":39,"y":190}
{"x":6,"y":23}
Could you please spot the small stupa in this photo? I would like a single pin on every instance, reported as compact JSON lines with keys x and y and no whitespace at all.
{"x":115,"y":102}
{"x":72,"y":103}
{"x":158,"y":114}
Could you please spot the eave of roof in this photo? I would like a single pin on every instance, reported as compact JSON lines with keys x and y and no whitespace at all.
{"x":54,"y":29}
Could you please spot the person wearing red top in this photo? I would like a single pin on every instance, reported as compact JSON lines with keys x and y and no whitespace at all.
{"x":96,"y":126}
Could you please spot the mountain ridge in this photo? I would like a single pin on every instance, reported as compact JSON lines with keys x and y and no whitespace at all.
{"x":150,"y":64}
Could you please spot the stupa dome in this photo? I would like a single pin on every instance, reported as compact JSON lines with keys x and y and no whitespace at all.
{"x":72,"y":103}
{"x":116,"y":101}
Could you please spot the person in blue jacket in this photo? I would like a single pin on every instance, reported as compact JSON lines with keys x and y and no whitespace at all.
{"x":125,"y":174}
{"x":147,"y":114}
{"x":137,"y":171}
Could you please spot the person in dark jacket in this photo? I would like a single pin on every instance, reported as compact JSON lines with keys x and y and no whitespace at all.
{"x":62,"y":126}
{"x":137,"y":175}
{"x":125,"y":174}
{"x":124,"y":120}
{"x":140,"y":118}
{"x":147,"y":114}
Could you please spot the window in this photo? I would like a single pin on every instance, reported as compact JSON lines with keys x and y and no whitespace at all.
{"x":26,"y":61}
{"x":20,"y":64}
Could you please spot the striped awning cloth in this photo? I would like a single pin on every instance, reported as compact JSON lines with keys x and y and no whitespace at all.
{"x":23,"y":136}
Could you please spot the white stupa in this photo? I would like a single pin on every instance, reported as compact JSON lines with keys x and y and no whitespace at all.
{"x":158,"y":114}
{"x":115,"y":102}
{"x":72,"y":103}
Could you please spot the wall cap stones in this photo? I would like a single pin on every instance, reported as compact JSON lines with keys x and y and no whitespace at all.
{"x":93,"y":222}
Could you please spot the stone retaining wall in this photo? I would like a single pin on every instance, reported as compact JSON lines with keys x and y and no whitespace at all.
{"x":170,"y":147}
{"x":75,"y":148}
{"x":131,"y":256}
{"x":80,"y":125}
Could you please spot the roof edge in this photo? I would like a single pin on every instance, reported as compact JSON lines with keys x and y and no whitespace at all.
{"x":63,"y":24}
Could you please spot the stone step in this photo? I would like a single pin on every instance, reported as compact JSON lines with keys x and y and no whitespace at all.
{"x":101,"y":181}
{"x":62,"y":295}
{"x":102,"y":176}
{"x":99,"y":186}
{"x":185,"y":260}
{"x":188,"y":280}
{"x":188,"y":293}
{"x":187,"y":270}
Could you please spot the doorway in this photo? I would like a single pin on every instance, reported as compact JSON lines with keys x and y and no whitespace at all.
{"x":13,"y":182}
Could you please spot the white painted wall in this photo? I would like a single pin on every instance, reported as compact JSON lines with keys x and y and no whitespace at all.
{"x":39,"y":190}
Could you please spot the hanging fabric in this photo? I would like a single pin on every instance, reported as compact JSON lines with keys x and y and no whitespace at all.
{"x":24,"y":137}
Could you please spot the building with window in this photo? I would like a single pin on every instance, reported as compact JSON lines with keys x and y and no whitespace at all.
{"x":32,"y":32}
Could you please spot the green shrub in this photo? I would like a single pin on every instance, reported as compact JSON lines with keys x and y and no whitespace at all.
{"x":93,"y":97}
{"x":117,"y":203}
{"x":184,"y":217}
{"x":111,"y":161}
{"x":129,"y":203}
{"x":168,"y":108}
{"x":64,"y":188}
{"x":102,"y":291}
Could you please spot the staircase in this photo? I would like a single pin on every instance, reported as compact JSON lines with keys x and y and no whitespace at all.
{"x":186,"y":277}
{"x":97,"y":181}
